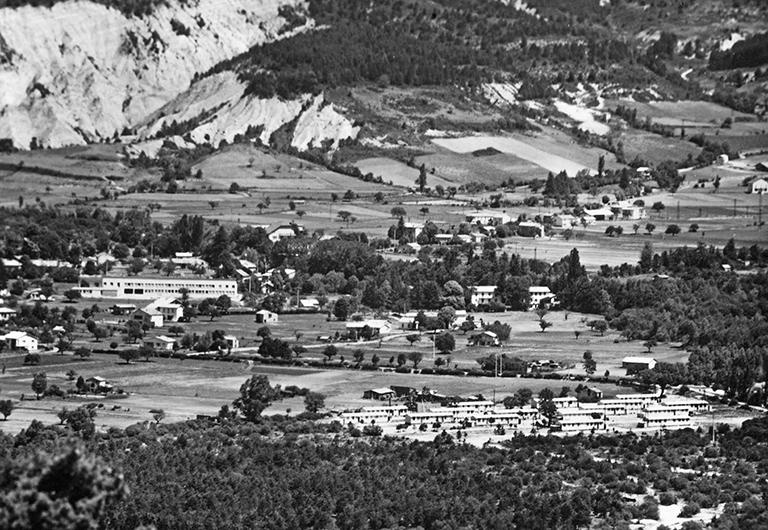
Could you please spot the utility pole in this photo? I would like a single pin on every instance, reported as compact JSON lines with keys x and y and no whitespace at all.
{"x":759,"y":210}
{"x":734,"y":207}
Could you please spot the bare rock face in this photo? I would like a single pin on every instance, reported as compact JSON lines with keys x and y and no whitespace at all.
{"x":79,"y":72}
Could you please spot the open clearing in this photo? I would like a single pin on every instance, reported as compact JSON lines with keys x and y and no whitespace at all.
{"x":548,"y":161}
{"x":397,"y":173}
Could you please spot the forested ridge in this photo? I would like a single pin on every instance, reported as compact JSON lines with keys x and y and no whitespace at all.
{"x":286,"y":473}
{"x":438,"y":43}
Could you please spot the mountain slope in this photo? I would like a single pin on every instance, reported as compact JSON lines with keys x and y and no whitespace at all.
{"x":81,"y":71}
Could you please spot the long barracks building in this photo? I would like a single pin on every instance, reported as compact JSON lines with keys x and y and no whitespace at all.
{"x":153,"y":288}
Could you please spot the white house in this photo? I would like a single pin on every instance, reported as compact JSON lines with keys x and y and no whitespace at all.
{"x":563,"y":220}
{"x":6,"y":313}
{"x":759,"y":186}
{"x":265,"y":317}
{"x":482,"y":294}
{"x":149,"y":317}
{"x":281,"y":232}
{"x":377,"y":327}
{"x":633,"y":213}
{"x":169,"y":307}
{"x":539,"y":294}
{"x":160,"y":343}
{"x":19,"y":340}
{"x":488,"y":218}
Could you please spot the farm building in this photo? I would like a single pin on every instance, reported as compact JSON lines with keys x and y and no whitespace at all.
{"x":6,"y":313}
{"x":758,"y":186}
{"x":19,"y":340}
{"x":540,"y":294}
{"x":265,"y":317}
{"x":486,"y":338}
{"x":151,"y":288}
{"x":232,"y":342}
{"x":98,"y":385}
{"x":379,"y":393}
{"x":482,"y":294}
{"x":637,"y":364}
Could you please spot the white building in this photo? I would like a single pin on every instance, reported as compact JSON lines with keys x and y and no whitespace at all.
{"x":609,"y":407}
{"x":684,"y":403}
{"x":377,"y":327}
{"x":759,"y":186}
{"x":232,"y":342}
{"x":530,"y":229}
{"x":169,"y":307}
{"x":148,"y":317}
{"x":6,"y":313}
{"x":578,"y":420}
{"x":633,"y":213}
{"x":634,"y":364}
{"x":482,"y":294}
{"x":488,"y":218}
{"x":661,"y":417}
{"x":160,"y":343}
{"x":159,"y":287}
{"x":188,"y":260}
{"x":564,"y":221}
{"x":539,"y":294}
{"x":635,"y":402}
{"x":281,"y":232}
{"x":265,"y":317}
{"x":19,"y":340}
{"x":376,"y":414}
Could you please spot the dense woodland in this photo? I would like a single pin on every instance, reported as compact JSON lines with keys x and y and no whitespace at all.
{"x":442,"y":43}
{"x":277,"y":473}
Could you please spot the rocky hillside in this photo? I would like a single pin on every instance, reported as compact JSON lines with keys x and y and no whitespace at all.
{"x":80,"y":71}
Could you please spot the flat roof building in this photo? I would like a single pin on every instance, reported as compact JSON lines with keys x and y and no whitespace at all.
{"x":150,"y":288}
